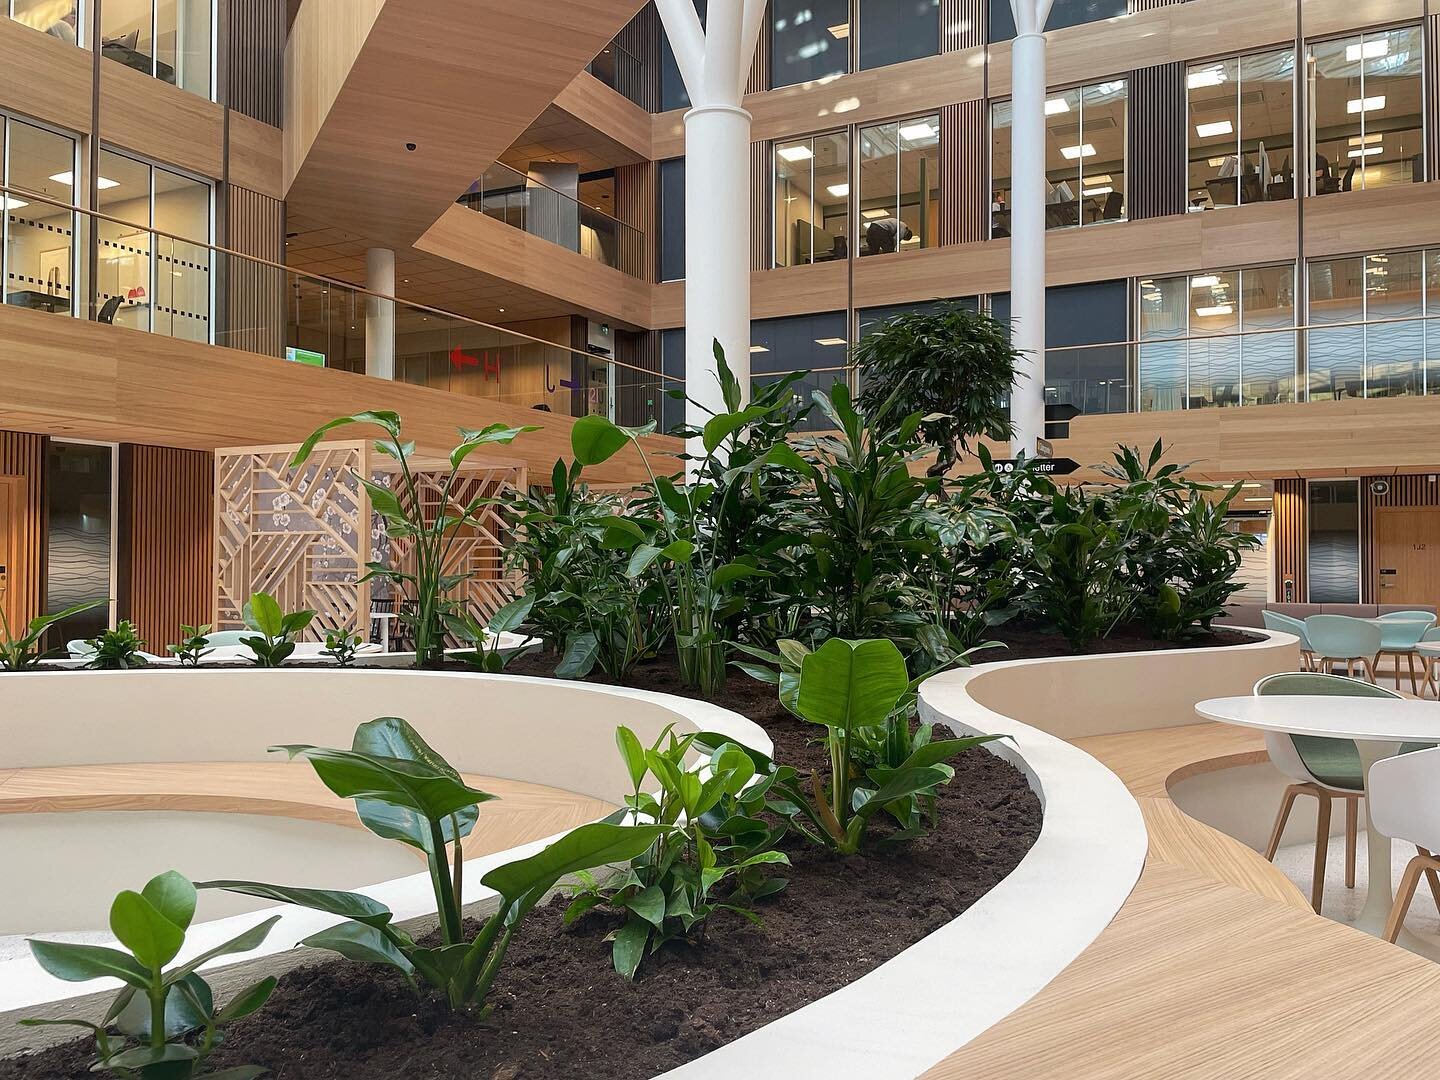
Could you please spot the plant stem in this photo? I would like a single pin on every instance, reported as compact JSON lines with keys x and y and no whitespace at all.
{"x":459,"y":861}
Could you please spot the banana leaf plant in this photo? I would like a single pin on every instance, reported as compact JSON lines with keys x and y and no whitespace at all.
{"x":406,"y":792}
{"x":430,"y":612}
{"x":24,"y":653}
{"x":163,"y":1023}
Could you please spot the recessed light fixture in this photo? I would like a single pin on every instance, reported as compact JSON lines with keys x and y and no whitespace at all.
{"x":502,"y":311}
{"x":1215,"y":162}
{"x":1056,"y":105}
{"x":916,"y":132}
{"x":1257,"y":498}
{"x":839,"y":190}
{"x":1368,"y":151}
{"x":1217,"y":309}
{"x":795,"y":153}
{"x":1252,"y":484}
{"x":874,"y":213}
{"x":830,"y":341}
{"x":758,"y":349}
{"x":1083,"y":150}
{"x":68,"y":178}
{"x":1219,"y":127}
{"x":1366,"y":140}
{"x":1367,"y":50}
{"x":1103,"y":179}
{"x":1211,"y":76}
{"x":1364,"y":105}
{"x":841,"y":31}
{"x":1205,"y":281}
{"x":1103,"y":190}
{"x":8,"y":202}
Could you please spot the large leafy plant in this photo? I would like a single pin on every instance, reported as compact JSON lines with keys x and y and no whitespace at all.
{"x":274,"y":630}
{"x":163,"y":1023}
{"x":718,"y":838}
{"x":24,"y":651}
{"x":953,"y":365}
{"x":431,"y":612}
{"x":117,"y":649}
{"x":406,"y":792}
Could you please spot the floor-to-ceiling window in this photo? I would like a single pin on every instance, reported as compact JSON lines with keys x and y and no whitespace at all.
{"x":809,"y":40}
{"x":1241,"y":130}
{"x":80,"y":535}
{"x":58,"y":18}
{"x":899,"y":198}
{"x":812,"y":199}
{"x":893,"y":31}
{"x":1084,"y":157}
{"x":173,"y":40}
{"x":1367,"y":125}
{"x":670,"y":221}
{"x":1063,"y":13}
{"x":154,"y":267}
{"x":39,"y":237}
{"x":1086,"y":366}
{"x":818,"y":344}
{"x":1369,"y":336}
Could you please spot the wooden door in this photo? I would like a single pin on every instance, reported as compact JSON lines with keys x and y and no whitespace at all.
{"x":12,"y":506}
{"x":1407,"y":552}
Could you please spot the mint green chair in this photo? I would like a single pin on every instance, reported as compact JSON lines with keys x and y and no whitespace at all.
{"x":1288,"y":624}
{"x":1336,"y":638}
{"x":1400,"y":632}
{"x":79,"y":649}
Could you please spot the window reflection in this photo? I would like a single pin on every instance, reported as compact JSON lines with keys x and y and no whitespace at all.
{"x":812,"y":199}
{"x":1063,"y":13}
{"x":58,"y":18}
{"x":899,"y":206}
{"x":893,"y":31}
{"x":1382,"y":352}
{"x":168,"y":39}
{"x":1241,"y":130}
{"x":39,"y":238}
{"x":809,"y":40}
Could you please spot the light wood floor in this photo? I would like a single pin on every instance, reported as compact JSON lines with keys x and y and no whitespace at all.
{"x":1215,"y":968}
{"x":523,"y":812}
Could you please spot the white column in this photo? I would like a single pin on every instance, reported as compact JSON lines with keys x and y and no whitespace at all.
{"x":380,"y":314}
{"x":1027,"y":223}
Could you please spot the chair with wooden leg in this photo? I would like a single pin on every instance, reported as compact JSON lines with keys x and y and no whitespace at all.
{"x":1340,"y":639}
{"x":1288,"y":624}
{"x":1326,"y":769}
{"x":1405,"y":804}
{"x":1400,"y":632}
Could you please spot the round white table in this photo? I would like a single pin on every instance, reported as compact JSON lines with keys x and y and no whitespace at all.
{"x":1378,"y":727}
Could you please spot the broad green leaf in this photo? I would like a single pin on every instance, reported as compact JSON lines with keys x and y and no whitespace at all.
{"x":139,"y":1057}
{"x":81,"y":963}
{"x":390,"y":737}
{"x":173,"y":896}
{"x":629,"y":947}
{"x":525,"y":881}
{"x":510,"y":616}
{"x":581,"y":652}
{"x":734,"y":571}
{"x":850,"y":684}
{"x":188,"y":1003}
{"x":492,"y":435}
{"x":152,"y":937}
{"x":783,"y":454}
{"x":680,"y":551}
{"x":347,"y":905}
{"x":633,"y":753}
{"x":594,"y":440}
{"x":388,"y":420}
{"x":359,"y":942}
{"x":247,"y":1001}
{"x":384,"y":501}
{"x":250,"y":939}
{"x":441,"y":967}
{"x":649,"y":904}
{"x":640,"y":559}
{"x":262,"y":613}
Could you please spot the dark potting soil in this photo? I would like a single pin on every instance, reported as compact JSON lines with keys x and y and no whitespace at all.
{"x":1028,"y":642}
{"x":559,"y":1008}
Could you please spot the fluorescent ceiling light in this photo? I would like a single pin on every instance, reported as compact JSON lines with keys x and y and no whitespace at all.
{"x":830,"y":341}
{"x":1105,"y":190}
{"x":1367,"y":50}
{"x":1257,"y":498}
{"x":840,"y":30}
{"x":1369,"y":104}
{"x":758,"y":348}
{"x":1252,"y":484}
{"x":7,"y":202}
{"x":68,"y":179}
{"x":1070,"y":153}
{"x":1211,"y":76}
{"x":795,"y":153}
{"x":917,"y":132}
{"x":1205,"y":281}
{"x":1354,"y":140}
{"x":1219,"y":127}
{"x":1105,"y":179}
{"x":1217,"y":309}
{"x":839,"y":190}
{"x":1215,"y":162}
{"x":1056,"y":105}
{"x":1365,"y":152}
{"x":872,"y":214}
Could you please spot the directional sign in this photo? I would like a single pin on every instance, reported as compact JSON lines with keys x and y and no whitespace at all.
{"x":1062,"y":466}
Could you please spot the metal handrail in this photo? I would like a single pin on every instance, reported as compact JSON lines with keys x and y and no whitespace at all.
{"x":528,"y":181}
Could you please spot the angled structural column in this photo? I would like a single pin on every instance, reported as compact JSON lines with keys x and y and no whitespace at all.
{"x":714,"y":63}
{"x":1027,"y":221}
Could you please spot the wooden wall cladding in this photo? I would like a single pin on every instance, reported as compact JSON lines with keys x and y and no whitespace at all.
{"x":256,"y":59}
{"x":22,"y":455}
{"x":762,"y":192}
{"x":635,"y":205}
{"x":760,"y":67}
{"x":1413,"y":491}
{"x":1289,"y":537}
{"x":1432,"y":96}
{"x":962,"y":24}
{"x":637,"y":395}
{"x":1151,"y":5}
{"x":964,"y":173}
{"x":255,"y":306}
{"x":637,"y":75}
{"x":1156,"y":141}
{"x":166,"y":540}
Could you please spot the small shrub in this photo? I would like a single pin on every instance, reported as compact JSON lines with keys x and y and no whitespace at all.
{"x":193,"y":646}
{"x":117,"y":649}
{"x":274,"y":630}
{"x":342,"y":645}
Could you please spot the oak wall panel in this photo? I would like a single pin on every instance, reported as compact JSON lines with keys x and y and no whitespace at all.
{"x":192,"y":134}
{"x":255,"y":293}
{"x":256,"y":156}
{"x":22,"y":454}
{"x":1289,"y":535}
{"x":43,"y":77}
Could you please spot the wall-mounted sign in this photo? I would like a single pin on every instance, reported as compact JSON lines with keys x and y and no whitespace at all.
{"x":305,"y":356}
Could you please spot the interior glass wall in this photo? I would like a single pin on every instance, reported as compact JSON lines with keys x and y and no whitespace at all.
{"x":812,"y":199}
{"x":1333,"y":512}
{"x":893,"y":31}
{"x":1084,"y":157}
{"x":39,"y":239}
{"x":1229,"y":358}
{"x":1087,"y":380}
{"x":1063,"y":13}
{"x":670,"y":222}
{"x":170,"y":39}
{"x":899,"y":205}
{"x":1371,"y":339}
{"x":809,"y":40}
{"x":58,"y":18}
{"x":1366,"y":110}
{"x":79,"y":557}
{"x":1241,"y":129}
{"x":150,"y":281}
{"x":815,"y":343}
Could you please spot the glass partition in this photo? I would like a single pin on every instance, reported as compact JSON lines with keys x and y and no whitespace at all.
{"x":1333,"y":514}
{"x":809,"y":40}
{"x":1241,"y":130}
{"x":80,"y":554}
{"x":1064,"y":13}
{"x":39,"y":237}
{"x":812,"y":199}
{"x":893,"y":31}
{"x":58,"y":18}
{"x":171,"y":40}
{"x":899,"y":204}
{"x":1383,"y":298}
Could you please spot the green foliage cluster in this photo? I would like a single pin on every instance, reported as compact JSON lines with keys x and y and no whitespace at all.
{"x":275,"y":630}
{"x":117,"y":649}
{"x":23,"y":649}
{"x":194,"y":645}
{"x":342,"y":646}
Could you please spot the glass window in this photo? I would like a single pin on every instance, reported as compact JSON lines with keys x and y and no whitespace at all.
{"x":58,"y":18}
{"x":39,"y":237}
{"x":1333,"y":511}
{"x":1164,"y":322}
{"x":1064,"y":13}
{"x":79,"y":558}
{"x":809,"y":40}
{"x":1367,"y":124}
{"x":670,"y":223}
{"x":1241,"y":135}
{"x":899,"y":205}
{"x":672,"y":365}
{"x":1382,"y":352}
{"x":815,"y":343}
{"x":169,"y":39}
{"x":673,"y":94}
{"x":870,"y":318}
{"x":893,"y":31}
{"x":1080,"y":378}
{"x":1084,"y":157}
{"x":812,"y":199}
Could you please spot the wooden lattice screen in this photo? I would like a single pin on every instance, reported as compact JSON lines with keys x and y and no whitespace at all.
{"x":300,"y":535}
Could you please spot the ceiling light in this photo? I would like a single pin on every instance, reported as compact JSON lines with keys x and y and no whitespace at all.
{"x":1056,"y":105}
{"x":1366,"y":140}
{"x":1379,"y":258}
{"x":1211,"y":76}
{"x":830,"y":341}
{"x":1368,"y":151}
{"x":1252,"y":484}
{"x":1257,"y":498}
{"x":1218,"y":309}
{"x":68,"y":179}
{"x":1369,"y":104}
{"x":1215,"y":162}
{"x":1205,"y":281}
{"x":1367,"y":50}
{"x":758,"y":348}
{"x":874,"y":213}
{"x":917,"y":132}
{"x":795,"y":153}
{"x":9,"y":203}
{"x":1105,"y":190}
{"x":1105,"y":179}
{"x":840,"y":30}
{"x":502,"y":311}
{"x":839,"y":190}
{"x":1070,"y":153}
{"x":1219,"y":127}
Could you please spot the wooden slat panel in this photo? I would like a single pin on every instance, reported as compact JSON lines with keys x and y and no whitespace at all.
{"x":635,"y":206}
{"x":256,"y":293}
{"x":1151,"y":5}
{"x":637,"y":398}
{"x":962,"y":24}
{"x":640,"y":81}
{"x":23,"y":455}
{"x":1432,"y":96}
{"x":761,"y":67}
{"x":166,"y":507}
{"x":257,"y":59}
{"x":1156,"y":138}
{"x":761,"y":196}
{"x":964,"y":173}
{"x":1289,"y":534}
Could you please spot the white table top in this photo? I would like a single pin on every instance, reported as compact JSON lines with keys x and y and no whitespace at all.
{"x":1378,"y":719}
{"x":1429,"y":648}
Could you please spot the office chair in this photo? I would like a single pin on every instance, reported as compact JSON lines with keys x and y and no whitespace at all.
{"x":107,"y":313}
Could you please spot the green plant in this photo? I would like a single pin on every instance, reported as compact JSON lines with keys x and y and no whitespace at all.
{"x":951,"y":364}
{"x":430,"y":611}
{"x":717,"y":836}
{"x":163,"y":1023}
{"x":275,"y":630}
{"x":507,"y":619}
{"x":25,"y":652}
{"x":194,"y":646}
{"x":341,"y":645}
{"x":405,"y":791}
{"x":117,"y":649}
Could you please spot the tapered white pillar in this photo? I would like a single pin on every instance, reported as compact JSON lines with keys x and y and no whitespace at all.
{"x":380,"y":314}
{"x":1028,"y":189}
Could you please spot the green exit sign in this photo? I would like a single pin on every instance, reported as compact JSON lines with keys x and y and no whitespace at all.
{"x":305,"y":356}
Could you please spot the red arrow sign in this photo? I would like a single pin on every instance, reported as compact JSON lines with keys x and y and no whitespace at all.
{"x":459,"y":359}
